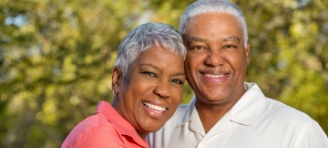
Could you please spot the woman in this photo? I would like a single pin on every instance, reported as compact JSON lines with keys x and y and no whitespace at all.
{"x":147,"y":83}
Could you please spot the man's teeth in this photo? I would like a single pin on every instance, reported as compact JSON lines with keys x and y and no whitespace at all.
{"x":213,"y":76}
{"x":155,"y":107}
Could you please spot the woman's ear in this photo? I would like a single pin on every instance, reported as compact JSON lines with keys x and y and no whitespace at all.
{"x":116,"y":79}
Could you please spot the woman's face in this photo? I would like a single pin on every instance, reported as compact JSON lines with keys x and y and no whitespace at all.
{"x":151,"y":90}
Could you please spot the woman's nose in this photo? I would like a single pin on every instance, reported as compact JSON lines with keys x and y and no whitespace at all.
{"x":162,"y":89}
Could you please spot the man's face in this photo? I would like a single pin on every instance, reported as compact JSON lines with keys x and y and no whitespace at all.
{"x":217,"y":59}
{"x":151,"y":90}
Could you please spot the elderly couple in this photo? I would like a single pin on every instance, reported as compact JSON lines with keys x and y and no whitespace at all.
{"x":213,"y":53}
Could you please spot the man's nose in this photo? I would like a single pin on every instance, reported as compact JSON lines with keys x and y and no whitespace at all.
{"x":214,"y":58}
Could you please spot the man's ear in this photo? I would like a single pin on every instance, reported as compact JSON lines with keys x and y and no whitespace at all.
{"x":117,"y":75}
{"x":248,"y":52}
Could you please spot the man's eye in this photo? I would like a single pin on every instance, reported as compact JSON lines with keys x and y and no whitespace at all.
{"x":197,"y":48}
{"x":230,"y":46}
{"x":177,"y":81}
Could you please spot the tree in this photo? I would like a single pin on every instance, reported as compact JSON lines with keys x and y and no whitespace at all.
{"x":289,"y":60}
{"x":56,"y":58}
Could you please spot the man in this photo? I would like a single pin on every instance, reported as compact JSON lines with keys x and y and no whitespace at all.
{"x":227,"y":112}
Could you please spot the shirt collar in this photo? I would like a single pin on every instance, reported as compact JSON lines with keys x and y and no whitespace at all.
{"x":244,"y":112}
{"x":123,"y":126}
{"x":191,"y":114}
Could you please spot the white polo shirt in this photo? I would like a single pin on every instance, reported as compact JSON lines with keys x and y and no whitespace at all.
{"x":255,"y":121}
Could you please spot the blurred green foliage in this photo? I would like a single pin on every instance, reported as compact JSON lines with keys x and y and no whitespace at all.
{"x":56,"y":58}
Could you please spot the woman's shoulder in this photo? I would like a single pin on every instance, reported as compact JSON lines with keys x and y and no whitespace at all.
{"x":93,"y":131}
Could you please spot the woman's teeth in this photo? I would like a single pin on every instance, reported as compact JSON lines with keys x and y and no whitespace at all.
{"x":154,"y":107}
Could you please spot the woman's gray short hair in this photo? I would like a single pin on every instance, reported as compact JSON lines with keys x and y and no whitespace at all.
{"x":208,"y":6}
{"x":143,"y":37}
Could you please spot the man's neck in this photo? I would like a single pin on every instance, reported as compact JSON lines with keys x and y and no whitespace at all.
{"x":210,"y":114}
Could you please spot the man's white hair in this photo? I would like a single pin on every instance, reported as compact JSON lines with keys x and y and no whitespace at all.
{"x":210,"y":6}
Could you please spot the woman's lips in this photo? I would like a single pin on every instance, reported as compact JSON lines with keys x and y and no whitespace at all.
{"x":154,"y":111}
{"x":154,"y":107}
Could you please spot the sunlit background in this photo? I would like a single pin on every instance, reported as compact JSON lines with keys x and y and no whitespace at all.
{"x":56,"y":58}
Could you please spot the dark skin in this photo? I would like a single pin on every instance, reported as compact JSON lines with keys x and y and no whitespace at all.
{"x":148,"y":95}
{"x":216,"y":64}
{"x":210,"y":115}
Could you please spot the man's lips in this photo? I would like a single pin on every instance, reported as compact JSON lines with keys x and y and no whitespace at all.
{"x":214,"y":75}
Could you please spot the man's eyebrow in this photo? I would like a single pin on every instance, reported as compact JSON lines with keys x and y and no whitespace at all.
{"x":195,"y":39}
{"x":232,"y":38}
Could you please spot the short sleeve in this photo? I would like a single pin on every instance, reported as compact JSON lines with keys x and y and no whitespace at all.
{"x":100,"y":137}
{"x":312,"y":136}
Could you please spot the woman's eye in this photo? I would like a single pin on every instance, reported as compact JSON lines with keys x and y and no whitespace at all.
{"x":150,"y":73}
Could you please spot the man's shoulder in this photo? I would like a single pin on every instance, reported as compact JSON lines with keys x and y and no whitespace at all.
{"x":279,"y":111}
{"x":182,"y":108}
{"x":158,"y":138}
{"x":276,"y":109}
{"x":177,"y":118}
{"x":181,"y":111}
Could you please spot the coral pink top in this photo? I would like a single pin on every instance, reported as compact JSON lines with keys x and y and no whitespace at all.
{"x":106,"y":128}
